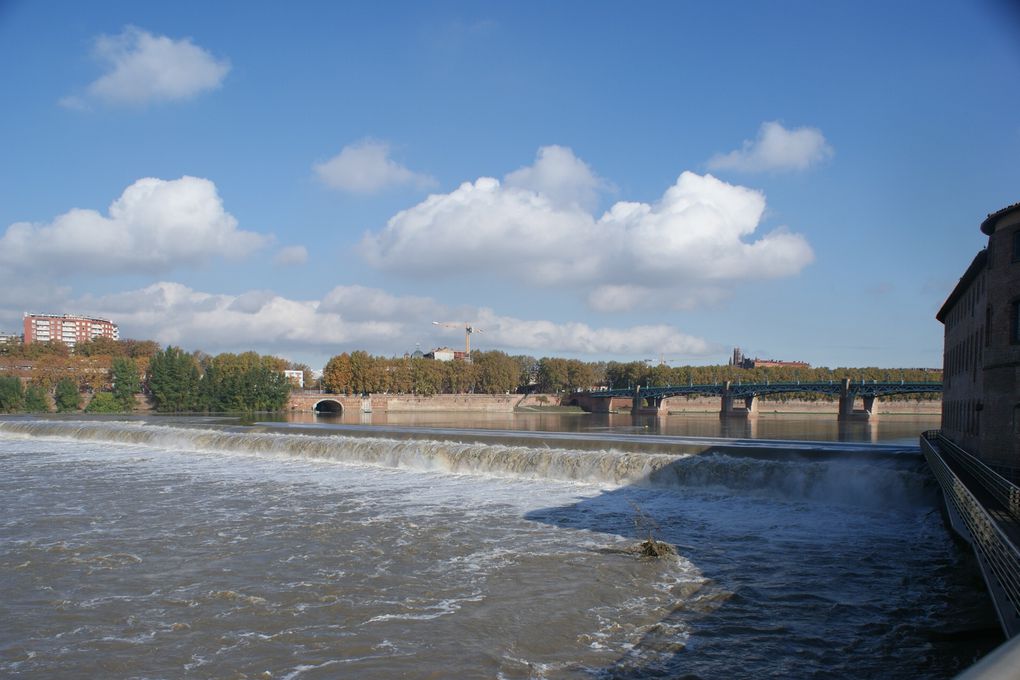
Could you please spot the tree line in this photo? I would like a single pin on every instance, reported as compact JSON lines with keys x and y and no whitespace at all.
{"x":495,"y":372}
{"x":114,"y":371}
{"x":34,"y":376}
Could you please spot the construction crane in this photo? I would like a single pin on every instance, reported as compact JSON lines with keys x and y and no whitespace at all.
{"x":468,"y":330}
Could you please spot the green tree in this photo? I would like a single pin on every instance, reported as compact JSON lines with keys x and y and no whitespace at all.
{"x":126,"y":381}
{"x":553,"y":374}
{"x":67,"y":396}
{"x":460,"y":376}
{"x":174,"y":380}
{"x":104,"y":402}
{"x":580,"y":375}
{"x":12,"y":395}
{"x":244,"y":382}
{"x":35,"y":399}
{"x":495,"y":372}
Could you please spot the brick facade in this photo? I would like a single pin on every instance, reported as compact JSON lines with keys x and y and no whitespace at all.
{"x":981,"y":360}
{"x":67,"y":328}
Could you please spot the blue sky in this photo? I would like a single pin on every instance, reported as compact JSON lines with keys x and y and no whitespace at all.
{"x":595,"y":180}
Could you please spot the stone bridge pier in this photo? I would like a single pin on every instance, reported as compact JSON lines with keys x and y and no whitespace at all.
{"x":647,"y":406}
{"x":737,"y":407}
{"x":847,"y":398}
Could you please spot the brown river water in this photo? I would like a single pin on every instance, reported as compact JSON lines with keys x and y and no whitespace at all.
{"x":443,"y":546}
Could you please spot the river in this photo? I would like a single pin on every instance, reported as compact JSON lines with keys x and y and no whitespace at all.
{"x":821,"y":427}
{"x":200,"y":548}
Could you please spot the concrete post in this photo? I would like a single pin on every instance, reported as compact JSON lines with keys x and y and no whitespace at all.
{"x":636,"y":403}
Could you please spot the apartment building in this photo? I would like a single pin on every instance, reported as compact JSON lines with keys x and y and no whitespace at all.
{"x":69,"y":329}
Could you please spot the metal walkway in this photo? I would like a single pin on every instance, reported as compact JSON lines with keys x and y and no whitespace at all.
{"x":984,"y":508}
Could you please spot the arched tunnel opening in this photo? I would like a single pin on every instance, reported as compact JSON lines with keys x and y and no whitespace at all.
{"x":329,"y":407}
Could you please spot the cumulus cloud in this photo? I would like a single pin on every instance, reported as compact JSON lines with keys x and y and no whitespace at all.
{"x":353,"y":317}
{"x":687,"y":248}
{"x":365,"y":167}
{"x":362,"y":303}
{"x":144,"y":68}
{"x":579,"y":338}
{"x":561,"y":177}
{"x":154,"y":225}
{"x":776,"y":148}
{"x":291,"y":256}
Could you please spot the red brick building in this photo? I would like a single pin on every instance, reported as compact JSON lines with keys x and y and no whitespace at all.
{"x":981,"y":356}
{"x":67,"y":328}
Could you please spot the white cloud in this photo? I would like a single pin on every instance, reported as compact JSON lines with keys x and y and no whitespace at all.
{"x":546,"y":337}
{"x":154,"y":225}
{"x":344,"y":320}
{"x":365,"y":167}
{"x":688,"y":248}
{"x":291,"y":256}
{"x":360,"y":303}
{"x":146,"y":68}
{"x":776,"y":149}
{"x":560,"y":176}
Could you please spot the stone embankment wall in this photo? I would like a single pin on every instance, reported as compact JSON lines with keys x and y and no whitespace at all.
{"x":507,"y":403}
{"x":484,"y":403}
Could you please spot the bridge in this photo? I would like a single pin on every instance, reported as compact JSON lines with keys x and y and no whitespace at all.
{"x":335,"y":404}
{"x":740,"y":399}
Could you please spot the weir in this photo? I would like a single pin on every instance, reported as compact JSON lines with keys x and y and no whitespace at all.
{"x":726,"y":505}
{"x":824,"y":471}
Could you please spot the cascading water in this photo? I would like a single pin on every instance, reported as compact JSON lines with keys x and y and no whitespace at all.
{"x":883,"y":482}
{"x":129,"y":549}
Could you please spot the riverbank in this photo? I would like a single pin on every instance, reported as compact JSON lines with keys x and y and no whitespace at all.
{"x":510,"y":403}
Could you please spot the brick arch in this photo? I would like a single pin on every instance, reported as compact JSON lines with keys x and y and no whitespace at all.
{"x":331,"y":406}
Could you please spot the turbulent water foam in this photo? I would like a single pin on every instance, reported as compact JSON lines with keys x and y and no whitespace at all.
{"x":134,"y":550}
{"x":879,"y":482}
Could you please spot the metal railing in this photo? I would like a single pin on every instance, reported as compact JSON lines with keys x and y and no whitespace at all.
{"x":1004,"y":491}
{"x":991,"y":544}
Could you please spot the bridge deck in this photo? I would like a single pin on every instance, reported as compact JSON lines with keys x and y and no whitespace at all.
{"x":741,"y":389}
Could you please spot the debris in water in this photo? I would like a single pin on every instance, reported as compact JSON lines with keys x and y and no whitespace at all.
{"x":653,"y":548}
{"x":650,"y":547}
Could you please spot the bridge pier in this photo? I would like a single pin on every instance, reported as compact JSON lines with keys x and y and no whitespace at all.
{"x":847,"y":412}
{"x":646,"y":406}
{"x":727,"y":409}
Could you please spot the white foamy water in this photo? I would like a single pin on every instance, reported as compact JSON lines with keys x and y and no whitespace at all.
{"x":131,"y":550}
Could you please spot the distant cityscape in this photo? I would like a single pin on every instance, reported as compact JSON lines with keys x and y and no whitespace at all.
{"x":738,"y":360}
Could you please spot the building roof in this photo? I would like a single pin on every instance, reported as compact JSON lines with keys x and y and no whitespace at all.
{"x":964,"y":283}
{"x":988,"y":226}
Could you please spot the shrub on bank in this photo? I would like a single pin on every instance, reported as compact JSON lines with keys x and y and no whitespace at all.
{"x":104,"y":402}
